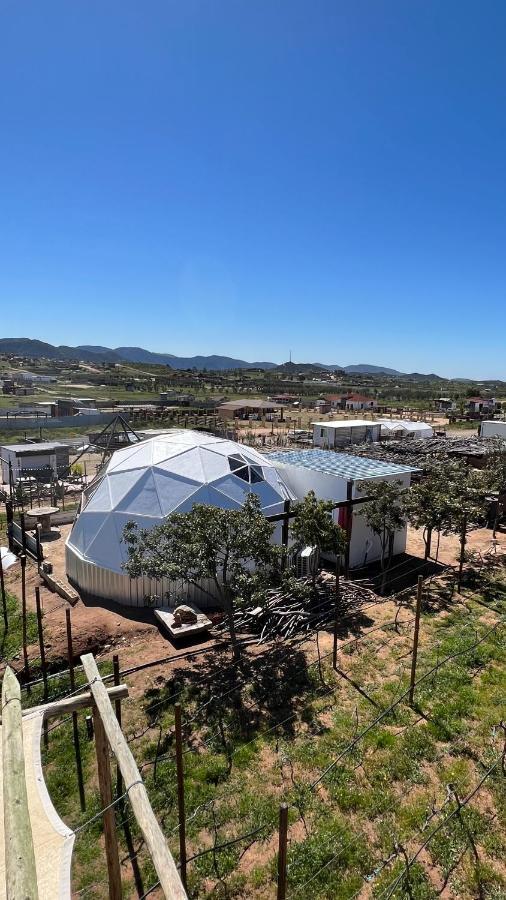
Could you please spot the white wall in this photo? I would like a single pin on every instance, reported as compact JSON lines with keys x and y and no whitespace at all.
{"x":493,"y":429}
{"x":349,"y":433}
{"x":21,"y":464}
{"x":361,"y":533}
{"x":332,"y":487}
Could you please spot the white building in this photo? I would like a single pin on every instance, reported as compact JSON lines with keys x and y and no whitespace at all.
{"x":493,"y":429}
{"x":145,"y":483}
{"x":344,"y":432}
{"x":404,"y":428}
{"x":337,"y":476}
{"x":38,"y":460}
{"x":360,"y":401}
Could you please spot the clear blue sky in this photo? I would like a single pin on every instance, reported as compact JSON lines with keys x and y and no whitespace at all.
{"x":248,"y":177}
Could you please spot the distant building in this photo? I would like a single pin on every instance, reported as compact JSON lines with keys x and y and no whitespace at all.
{"x":43,"y":460}
{"x":405,"y":428}
{"x":493,"y":429}
{"x":244,"y":409}
{"x":359,"y":401}
{"x":336,"y":401}
{"x":345,"y":432}
{"x":176,"y":398}
{"x":443,"y":404}
{"x":35,"y":378}
{"x":285,"y":399}
{"x":71,"y":406}
{"x":481,"y":405}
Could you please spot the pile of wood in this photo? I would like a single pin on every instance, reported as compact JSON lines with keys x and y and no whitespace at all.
{"x":422,"y":453}
{"x":284,"y":615}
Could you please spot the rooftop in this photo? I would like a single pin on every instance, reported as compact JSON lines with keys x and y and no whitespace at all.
{"x":404,"y":425}
{"x":345,"y":423}
{"x":343,"y":465}
{"x":246,"y":403}
{"x":41,"y":447}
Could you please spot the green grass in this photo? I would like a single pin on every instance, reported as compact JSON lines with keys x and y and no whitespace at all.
{"x":11,"y":638}
{"x":390,"y":792}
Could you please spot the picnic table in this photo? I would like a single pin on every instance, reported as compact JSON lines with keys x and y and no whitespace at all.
{"x":43,"y":515}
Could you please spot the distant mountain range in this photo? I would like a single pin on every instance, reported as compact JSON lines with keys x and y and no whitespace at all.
{"x":95,"y":354}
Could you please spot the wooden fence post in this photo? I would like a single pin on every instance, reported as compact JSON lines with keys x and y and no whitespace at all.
{"x":463,"y":534}
{"x":285,"y":532}
{"x":40,"y":633}
{"x":75,"y":726}
{"x":9,"y":512}
{"x":117,"y":706}
{"x":40,"y":552}
{"x":349,"y":526}
{"x":170,"y":881}
{"x":415,"y":639}
{"x":4,"y":598}
{"x":109,"y":819}
{"x":282,"y":851}
{"x":22,"y":560}
{"x":23,"y":531}
{"x":336,"y":610}
{"x":180,"y":794}
{"x":20,"y":872}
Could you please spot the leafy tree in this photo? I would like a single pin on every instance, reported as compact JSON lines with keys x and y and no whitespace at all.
{"x":385,"y":515}
{"x":429,"y":503}
{"x":495,"y":476}
{"x":313,"y":526}
{"x":466,"y":504}
{"x":207,"y":543}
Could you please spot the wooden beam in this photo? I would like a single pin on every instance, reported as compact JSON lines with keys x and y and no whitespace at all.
{"x":108,"y":817}
{"x":20,"y":871}
{"x":164,"y":864}
{"x":72,"y":704}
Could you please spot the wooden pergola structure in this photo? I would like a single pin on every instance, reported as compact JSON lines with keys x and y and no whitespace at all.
{"x":36,"y":846}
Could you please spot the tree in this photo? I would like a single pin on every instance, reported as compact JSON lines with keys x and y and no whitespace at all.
{"x":385,"y":515}
{"x":313,"y":526}
{"x":231,"y":548}
{"x":495,"y":475}
{"x":466,"y":504}
{"x":429,"y":503}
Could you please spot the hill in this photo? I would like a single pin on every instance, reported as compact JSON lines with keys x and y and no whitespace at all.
{"x":27,"y":347}
{"x":41,"y":350}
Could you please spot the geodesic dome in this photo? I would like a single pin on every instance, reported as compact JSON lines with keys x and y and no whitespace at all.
{"x":148,"y":481}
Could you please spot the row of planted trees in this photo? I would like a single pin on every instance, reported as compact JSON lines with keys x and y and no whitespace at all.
{"x":232,"y":550}
{"x":449,"y":499}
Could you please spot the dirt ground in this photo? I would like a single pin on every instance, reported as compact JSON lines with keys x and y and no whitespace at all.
{"x":97,"y":627}
{"x":132,"y":633}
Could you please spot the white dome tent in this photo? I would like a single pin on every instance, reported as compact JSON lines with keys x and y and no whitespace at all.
{"x":145,"y":483}
{"x":406,"y":428}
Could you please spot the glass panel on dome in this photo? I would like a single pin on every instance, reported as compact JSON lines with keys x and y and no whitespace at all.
{"x":236,"y":462}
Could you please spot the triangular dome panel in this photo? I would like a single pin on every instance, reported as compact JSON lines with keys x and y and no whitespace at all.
{"x":142,"y":498}
{"x":100,"y":500}
{"x":187,"y":464}
{"x":172,"y":490}
{"x":121,"y":483}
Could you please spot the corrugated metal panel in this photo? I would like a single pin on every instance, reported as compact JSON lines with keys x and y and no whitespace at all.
{"x":141,"y":592}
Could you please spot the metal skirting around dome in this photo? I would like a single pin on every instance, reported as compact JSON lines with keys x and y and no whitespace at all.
{"x":97,"y":581}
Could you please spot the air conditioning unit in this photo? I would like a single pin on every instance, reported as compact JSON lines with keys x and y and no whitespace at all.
{"x":306,"y":562}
